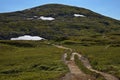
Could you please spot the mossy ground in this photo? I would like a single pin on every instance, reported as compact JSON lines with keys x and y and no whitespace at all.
{"x":102,"y":58}
{"x":41,"y":62}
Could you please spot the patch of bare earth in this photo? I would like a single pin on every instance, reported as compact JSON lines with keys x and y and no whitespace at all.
{"x":76,"y":73}
{"x":86,"y":63}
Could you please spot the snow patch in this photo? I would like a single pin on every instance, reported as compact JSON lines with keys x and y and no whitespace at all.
{"x":46,"y":18}
{"x":78,"y":15}
{"x":28,"y":9}
{"x":35,"y":16}
{"x":27,"y":37}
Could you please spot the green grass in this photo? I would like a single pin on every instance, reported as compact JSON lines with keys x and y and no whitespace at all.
{"x":64,"y":27}
{"x":41,"y":62}
{"x":101,"y":58}
{"x":84,"y":69}
{"x":36,"y":60}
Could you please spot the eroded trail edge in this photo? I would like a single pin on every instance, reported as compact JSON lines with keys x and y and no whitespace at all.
{"x":76,"y":73}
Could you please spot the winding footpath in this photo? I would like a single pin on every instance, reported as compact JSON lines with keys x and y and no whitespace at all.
{"x":88,"y":66}
{"x":76,"y":73}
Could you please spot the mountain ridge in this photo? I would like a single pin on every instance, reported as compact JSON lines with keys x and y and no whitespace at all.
{"x":65,"y":26}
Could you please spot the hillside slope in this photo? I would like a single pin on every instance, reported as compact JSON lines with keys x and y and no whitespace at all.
{"x":65,"y":26}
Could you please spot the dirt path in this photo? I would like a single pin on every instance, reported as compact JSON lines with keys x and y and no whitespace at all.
{"x":86,"y":63}
{"x":62,"y":47}
{"x":76,"y":73}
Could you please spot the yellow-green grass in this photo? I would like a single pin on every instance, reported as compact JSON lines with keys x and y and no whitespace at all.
{"x":102,"y":58}
{"x":31,"y":63}
{"x":85,"y":70}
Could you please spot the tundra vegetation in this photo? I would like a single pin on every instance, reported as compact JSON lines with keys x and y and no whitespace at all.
{"x":97,"y":37}
{"x":26,"y":60}
{"x":101,"y":57}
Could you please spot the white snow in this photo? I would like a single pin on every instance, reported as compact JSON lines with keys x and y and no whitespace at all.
{"x":78,"y":15}
{"x":28,"y":9}
{"x":27,"y":37}
{"x":46,"y":18}
{"x":35,"y":16}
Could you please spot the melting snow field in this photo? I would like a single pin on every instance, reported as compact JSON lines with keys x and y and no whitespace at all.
{"x":78,"y":15}
{"x":27,"y":37}
{"x":47,"y":18}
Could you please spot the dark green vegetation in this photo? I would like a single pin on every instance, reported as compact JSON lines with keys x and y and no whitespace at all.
{"x":95,"y":35}
{"x":64,"y":27}
{"x":102,"y":58}
{"x":39,"y":61}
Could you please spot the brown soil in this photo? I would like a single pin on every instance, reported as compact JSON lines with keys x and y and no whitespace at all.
{"x":76,"y":73}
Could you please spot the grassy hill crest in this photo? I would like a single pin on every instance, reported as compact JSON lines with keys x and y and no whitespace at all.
{"x":65,"y":26}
